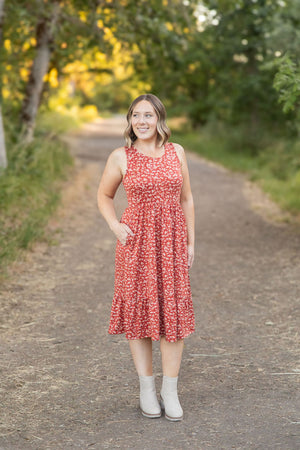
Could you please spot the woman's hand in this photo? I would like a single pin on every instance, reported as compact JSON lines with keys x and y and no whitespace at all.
{"x":122,"y":231}
{"x":190,"y":249}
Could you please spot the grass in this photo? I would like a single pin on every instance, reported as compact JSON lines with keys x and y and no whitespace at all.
{"x":30,"y":186}
{"x":272,"y":162}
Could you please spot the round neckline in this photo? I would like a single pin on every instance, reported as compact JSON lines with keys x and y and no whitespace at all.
{"x":147,"y":156}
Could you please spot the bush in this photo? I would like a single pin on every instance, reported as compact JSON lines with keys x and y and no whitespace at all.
{"x":275,"y":163}
{"x":30,"y":191}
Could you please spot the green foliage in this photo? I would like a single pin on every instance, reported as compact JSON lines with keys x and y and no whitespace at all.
{"x":282,"y":158}
{"x":157,"y":38}
{"x":63,"y":118}
{"x":239,"y":91}
{"x":276,"y":168}
{"x":114,"y":97}
{"x":213,"y":64}
{"x":285,"y":193}
{"x":214,"y":59}
{"x":29,"y":192}
{"x":220,"y":144}
{"x":287,"y":83}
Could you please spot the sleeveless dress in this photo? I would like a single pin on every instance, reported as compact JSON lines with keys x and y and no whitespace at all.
{"x":152,"y":296}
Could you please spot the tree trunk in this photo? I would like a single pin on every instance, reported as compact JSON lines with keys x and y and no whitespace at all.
{"x":45,"y":31}
{"x":3,"y":159}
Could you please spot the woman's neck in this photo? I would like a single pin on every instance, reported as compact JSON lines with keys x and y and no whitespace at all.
{"x":147,"y":146}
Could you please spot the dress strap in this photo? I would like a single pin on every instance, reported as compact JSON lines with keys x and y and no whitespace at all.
{"x":170,"y":148}
{"x":129,"y":158}
{"x":129,"y":152}
{"x":173,"y":153}
{"x":170,"y":145}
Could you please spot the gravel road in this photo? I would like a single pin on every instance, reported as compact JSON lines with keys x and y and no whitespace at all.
{"x":67,"y":384}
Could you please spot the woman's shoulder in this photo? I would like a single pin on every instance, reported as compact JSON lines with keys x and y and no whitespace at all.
{"x":118,"y":152}
{"x":178,"y":147}
{"x":118,"y":159}
{"x":118,"y":155}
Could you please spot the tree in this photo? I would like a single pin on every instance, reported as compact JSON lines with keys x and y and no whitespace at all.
{"x":63,"y":31}
{"x":158,"y":38}
{"x":66,"y":30}
{"x":45,"y":30}
{"x":225,"y":62}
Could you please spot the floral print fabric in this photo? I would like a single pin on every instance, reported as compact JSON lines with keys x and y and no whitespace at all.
{"x":152,"y":295}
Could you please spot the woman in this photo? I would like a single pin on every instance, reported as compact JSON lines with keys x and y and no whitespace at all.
{"x":155,"y":249}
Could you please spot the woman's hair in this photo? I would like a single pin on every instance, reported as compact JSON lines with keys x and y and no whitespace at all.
{"x":162,"y":129}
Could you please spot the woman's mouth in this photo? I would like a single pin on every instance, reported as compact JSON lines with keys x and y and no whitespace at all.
{"x":142,"y":130}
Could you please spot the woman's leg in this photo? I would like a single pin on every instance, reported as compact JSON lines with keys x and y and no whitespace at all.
{"x":141,"y":350}
{"x":171,"y":353}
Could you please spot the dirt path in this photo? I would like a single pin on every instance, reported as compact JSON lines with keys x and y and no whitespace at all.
{"x":67,"y":384}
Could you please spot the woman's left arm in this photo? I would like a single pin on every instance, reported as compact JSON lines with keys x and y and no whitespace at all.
{"x":187,"y":204}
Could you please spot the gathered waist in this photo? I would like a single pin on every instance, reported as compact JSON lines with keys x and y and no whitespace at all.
{"x":150,"y":202}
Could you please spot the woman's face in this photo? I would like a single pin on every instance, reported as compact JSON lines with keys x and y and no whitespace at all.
{"x":144,"y":120}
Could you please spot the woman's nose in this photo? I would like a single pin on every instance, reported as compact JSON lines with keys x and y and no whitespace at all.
{"x":141,"y":119}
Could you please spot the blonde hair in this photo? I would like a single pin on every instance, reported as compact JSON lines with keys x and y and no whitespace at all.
{"x":163,"y":130}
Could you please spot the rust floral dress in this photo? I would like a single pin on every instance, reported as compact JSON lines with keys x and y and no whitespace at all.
{"x":152,"y":295}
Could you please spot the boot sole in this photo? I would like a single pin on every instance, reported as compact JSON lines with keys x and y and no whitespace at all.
{"x":172,"y":419}
{"x":151,"y":416}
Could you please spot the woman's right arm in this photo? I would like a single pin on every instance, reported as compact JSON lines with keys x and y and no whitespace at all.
{"x":110,"y":181}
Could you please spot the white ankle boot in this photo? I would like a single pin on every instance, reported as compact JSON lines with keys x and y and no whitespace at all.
{"x":169,"y":399}
{"x":148,"y":399}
